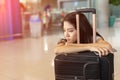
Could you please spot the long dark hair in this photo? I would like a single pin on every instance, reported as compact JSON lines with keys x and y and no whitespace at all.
{"x":86,"y":31}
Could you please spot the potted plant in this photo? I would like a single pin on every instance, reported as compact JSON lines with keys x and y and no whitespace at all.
{"x":114,"y":2}
{"x":112,"y":17}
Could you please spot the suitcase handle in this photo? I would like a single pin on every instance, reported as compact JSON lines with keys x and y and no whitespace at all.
{"x":87,"y":10}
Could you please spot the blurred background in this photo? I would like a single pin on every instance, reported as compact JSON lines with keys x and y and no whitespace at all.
{"x":16,"y":15}
{"x":30,"y":29}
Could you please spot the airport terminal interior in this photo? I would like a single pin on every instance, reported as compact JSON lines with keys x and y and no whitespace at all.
{"x":28,"y":38}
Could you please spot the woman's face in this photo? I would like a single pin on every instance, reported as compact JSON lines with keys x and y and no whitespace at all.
{"x":70,"y":32}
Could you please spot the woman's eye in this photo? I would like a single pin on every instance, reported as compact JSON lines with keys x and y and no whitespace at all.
{"x":70,"y":31}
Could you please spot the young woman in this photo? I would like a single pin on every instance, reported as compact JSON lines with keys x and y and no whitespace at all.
{"x":69,"y":44}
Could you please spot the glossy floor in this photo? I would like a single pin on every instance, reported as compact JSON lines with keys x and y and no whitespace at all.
{"x":32,"y":58}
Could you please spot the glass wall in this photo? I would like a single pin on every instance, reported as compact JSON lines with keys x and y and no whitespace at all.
{"x":72,"y":4}
{"x":115,"y":11}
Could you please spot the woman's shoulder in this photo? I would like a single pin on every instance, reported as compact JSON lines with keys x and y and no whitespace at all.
{"x":63,"y":41}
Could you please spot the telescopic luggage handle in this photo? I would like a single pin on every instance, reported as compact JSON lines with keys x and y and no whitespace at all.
{"x":86,"y":10}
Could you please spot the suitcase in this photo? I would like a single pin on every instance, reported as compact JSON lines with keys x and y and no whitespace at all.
{"x":84,"y":65}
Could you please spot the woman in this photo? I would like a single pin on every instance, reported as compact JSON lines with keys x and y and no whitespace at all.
{"x":69,"y":45}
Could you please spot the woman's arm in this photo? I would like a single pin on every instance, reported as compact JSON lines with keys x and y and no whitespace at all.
{"x":101,"y":46}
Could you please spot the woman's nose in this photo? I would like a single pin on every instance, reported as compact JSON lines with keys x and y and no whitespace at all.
{"x":67,"y":34}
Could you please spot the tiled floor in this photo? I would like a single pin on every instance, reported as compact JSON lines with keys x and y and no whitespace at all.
{"x":32,"y":58}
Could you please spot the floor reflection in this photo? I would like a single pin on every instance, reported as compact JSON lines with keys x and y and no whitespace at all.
{"x":33,"y":58}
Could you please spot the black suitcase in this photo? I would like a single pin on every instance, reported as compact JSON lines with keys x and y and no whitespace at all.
{"x":84,"y":65}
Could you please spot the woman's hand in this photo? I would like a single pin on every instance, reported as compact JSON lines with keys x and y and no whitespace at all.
{"x":102,"y":50}
{"x":102,"y":47}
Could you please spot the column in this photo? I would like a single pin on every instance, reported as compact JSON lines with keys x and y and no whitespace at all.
{"x":102,"y":13}
{"x":10,"y":19}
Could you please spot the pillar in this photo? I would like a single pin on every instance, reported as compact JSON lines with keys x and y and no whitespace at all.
{"x":102,"y":7}
{"x":10,"y":19}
